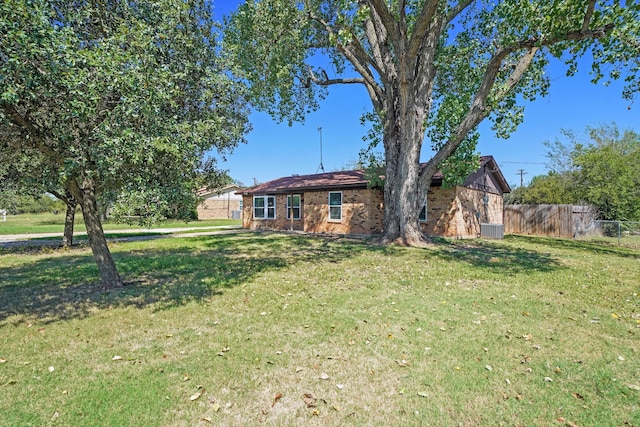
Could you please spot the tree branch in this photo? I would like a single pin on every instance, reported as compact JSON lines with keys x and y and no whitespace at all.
{"x":422,"y":26}
{"x":357,"y":56}
{"x":588,"y":15}
{"x":106,"y":105}
{"x":478,"y":109}
{"x":457,"y":10}
{"x":390,"y":25}
{"x":37,"y":135}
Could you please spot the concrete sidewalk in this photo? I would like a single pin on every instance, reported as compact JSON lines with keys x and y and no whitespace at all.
{"x":53,"y":239}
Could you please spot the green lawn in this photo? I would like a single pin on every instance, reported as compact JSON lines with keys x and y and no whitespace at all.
{"x":50,"y":223}
{"x":282,"y":330}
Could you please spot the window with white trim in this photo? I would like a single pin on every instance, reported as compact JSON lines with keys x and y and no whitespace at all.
{"x":423,"y":213}
{"x":295,"y":206}
{"x":335,"y":205}
{"x":264,"y":207}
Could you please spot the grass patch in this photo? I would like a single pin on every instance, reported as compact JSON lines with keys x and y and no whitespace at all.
{"x":50,"y":223}
{"x":278,"y":329}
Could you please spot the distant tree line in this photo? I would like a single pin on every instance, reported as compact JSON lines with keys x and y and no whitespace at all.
{"x":18,"y":203}
{"x":599,"y":168}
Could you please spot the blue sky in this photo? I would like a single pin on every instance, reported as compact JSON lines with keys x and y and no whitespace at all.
{"x":274,"y":149}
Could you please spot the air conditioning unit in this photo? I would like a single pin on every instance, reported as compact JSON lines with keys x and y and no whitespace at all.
{"x":236,"y":214}
{"x":492,"y":231}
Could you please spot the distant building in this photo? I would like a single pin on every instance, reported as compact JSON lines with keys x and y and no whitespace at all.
{"x":220,"y":203}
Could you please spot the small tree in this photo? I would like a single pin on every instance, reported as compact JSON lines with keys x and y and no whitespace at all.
{"x":115,"y":97}
{"x":606,"y":172}
{"x":432,"y":68}
{"x":600,"y":169}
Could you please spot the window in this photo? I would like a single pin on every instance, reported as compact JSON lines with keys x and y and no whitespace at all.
{"x":423,"y":213}
{"x":264,"y":207}
{"x":335,"y":205}
{"x":295,"y":206}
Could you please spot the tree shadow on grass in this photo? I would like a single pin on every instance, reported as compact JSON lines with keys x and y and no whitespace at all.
{"x":590,"y":246}
{"x":64,"y":285}
{"x":499,"y":259}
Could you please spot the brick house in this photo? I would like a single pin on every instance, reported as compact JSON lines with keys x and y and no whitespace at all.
{"x":220,"y":203}
{"x":341,"y":203}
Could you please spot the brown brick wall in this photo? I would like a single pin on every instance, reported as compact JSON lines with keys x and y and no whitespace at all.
{"x":451,"y":212}
{"x":458,"y":212}
{"x":362,"y":213}
{"x":217,"y":209}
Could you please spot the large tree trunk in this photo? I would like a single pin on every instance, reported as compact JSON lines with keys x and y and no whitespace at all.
{"x":70,"y":217}
{"x":404,"y":120}
{"x":108,"y":272}
{"x":401,"y":196}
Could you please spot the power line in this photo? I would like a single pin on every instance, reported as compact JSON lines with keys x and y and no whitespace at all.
{"x":524,"y":163}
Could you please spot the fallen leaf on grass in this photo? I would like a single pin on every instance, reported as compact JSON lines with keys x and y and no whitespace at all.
{"x":634,"y":387}
{"x":207,"y":419}
{"x":275,"y":399}
{"x":3,"y":360}
{"x":309,"y":400}
{"x":116,"y":358}
{"x":489,"y":368}
{"x":402,"y":363}
{"x":423,"y":394}
{"x":197,"y":395}
{"x":323,"y":376}
{"x":215,"y":407}
{"x":577,"y":396}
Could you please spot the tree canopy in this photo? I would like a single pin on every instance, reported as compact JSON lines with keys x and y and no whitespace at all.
{"x":433,"y":69}
{"x":119,"y":97}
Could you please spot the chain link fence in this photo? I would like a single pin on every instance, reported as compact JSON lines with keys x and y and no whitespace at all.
{"x":622,"y":231}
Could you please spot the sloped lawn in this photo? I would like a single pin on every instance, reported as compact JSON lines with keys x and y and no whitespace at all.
{"x":273,"y":329}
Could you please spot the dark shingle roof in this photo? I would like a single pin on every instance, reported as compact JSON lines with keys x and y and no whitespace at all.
{"x":329,"y":180}
{"x":349,"y":179}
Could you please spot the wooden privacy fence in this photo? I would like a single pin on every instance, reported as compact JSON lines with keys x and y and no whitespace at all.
{"x":544,"y":220}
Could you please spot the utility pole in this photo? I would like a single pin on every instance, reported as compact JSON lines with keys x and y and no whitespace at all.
{"x":522,"y":173}
{"x":321,"y":167}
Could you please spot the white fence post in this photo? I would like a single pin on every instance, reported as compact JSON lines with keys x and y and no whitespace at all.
{"x":3,"y":212}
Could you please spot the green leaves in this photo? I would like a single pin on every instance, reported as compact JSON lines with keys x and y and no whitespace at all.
{"x":601,"y":172}
{"x":128,"y":93}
